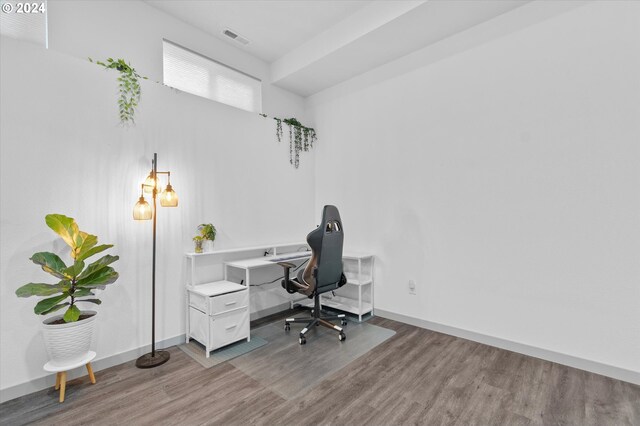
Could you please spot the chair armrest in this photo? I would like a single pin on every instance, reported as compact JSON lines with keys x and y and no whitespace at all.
{"x":287,"y":284}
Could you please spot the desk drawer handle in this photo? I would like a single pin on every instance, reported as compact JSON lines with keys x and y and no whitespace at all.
{"x":231,"y":326}
{"x":230,"y":303}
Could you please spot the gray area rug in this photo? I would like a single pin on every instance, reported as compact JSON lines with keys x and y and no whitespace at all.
{"x":288,"y":368}
{"x":197,"y":351}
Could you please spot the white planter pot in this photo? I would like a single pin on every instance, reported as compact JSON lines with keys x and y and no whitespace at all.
{"x":68,"y":343}
{"x":207,"y":246}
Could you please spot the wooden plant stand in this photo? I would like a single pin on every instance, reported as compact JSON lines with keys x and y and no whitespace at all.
{"x":61,"y":371}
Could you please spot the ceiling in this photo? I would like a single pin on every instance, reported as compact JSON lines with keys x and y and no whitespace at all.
{"x":314,"y":45}
{"x":273,"y":28}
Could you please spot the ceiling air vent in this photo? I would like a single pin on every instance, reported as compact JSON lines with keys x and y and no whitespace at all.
{"x":235,"y":36}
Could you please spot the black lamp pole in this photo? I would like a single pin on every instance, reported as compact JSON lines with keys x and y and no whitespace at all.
{"x":154,"y":358}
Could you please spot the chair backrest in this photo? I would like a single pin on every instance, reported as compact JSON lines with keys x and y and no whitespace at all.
{"x":326,"y":243}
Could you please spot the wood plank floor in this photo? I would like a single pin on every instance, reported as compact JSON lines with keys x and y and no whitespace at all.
{"x":415,"y":377}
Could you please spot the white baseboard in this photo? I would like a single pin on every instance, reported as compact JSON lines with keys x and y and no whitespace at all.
{"x":48,"y":380}
{"x":557,"y":357}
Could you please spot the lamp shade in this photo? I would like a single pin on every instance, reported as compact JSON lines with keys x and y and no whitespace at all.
{"x":149,"y":184}
{"x":169,"y":198}
{"x":142,"y":210}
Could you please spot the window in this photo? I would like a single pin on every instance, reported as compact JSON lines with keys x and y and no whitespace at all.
{"x":194,"y":73}
{"x":25,"y":21}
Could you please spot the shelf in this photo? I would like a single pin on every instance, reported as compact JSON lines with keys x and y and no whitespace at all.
{"x":343,"y":304}
{"x":271,"y":260}
{"x":216,"y":288}
{"x":354,"y":281}
{"x":356,"y":256}
{"x":241,"y":249}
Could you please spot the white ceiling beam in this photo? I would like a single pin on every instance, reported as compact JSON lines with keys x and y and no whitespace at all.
{"x":528,"y":15}
{"x":352,"y":28}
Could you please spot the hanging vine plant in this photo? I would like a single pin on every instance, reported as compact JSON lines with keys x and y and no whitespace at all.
{"x":301,"y":138}
{"x":278,"y":129}
{"x":128,"y":85}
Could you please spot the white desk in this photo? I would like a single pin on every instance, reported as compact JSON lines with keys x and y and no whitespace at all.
{"x":275,"y":248}
{"x":247,"y":265}
{"x":358,"y":269}
{"x":217,"y":311}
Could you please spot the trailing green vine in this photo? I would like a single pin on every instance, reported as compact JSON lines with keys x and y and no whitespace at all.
{"x":278,"y":129}
{"x":128,"y":85}
{"x":301,"y":138}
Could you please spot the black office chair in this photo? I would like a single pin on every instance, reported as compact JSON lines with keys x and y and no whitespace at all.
{"x":323,"y":273}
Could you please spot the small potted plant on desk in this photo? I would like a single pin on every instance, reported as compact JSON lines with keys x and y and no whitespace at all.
{"x":208,"y":235}
{"x":68,"y":336}
{"x":198,"y":240}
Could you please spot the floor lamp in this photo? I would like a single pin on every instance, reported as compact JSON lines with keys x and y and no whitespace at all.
{"x":143,"y":211}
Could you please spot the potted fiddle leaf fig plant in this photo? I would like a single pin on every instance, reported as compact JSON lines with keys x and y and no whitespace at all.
{"x":208,"y":234}
{"x":68,"y":336}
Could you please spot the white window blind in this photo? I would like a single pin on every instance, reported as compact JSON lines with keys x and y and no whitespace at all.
{"x":194,"y":73}
{"x":25,"y":21}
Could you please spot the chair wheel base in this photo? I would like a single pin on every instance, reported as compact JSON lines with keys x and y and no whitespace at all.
{"x":342,"y":337}
{"x":302,"y":340}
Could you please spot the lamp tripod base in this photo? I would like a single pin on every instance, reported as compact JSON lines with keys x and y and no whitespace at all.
{"x":150,"y":361}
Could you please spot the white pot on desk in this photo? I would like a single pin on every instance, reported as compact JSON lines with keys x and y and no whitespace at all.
{"x":207,"y":246}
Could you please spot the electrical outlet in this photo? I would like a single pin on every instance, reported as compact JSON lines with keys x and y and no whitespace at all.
{"x":412,"y":287}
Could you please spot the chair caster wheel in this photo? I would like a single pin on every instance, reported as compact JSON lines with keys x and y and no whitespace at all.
{"x":343,"y":322}
{"x":302,"y":340}
{"x":342,"y":337}
{"x":287,"y":327}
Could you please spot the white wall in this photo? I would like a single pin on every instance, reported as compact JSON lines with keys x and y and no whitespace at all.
{"x":62,"y":150}
{"x":504,"y":180}
{"x":134,"y":30}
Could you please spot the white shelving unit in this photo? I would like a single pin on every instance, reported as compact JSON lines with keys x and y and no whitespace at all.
{"x":356,"y":296}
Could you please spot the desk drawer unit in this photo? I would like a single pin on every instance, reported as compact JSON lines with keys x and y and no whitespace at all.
{"x":219,"y":330}
{"x":229,"y":327}
{"x":198,"y":301}
{"x":198,"y":326}
{"x":228,"y":302}
{"x":218,"y":314}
